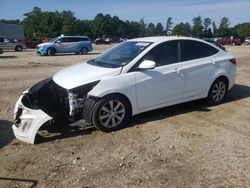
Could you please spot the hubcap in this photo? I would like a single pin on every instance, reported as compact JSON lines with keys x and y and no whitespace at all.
{"x":112,"y":113}
{"x":219,"y":91}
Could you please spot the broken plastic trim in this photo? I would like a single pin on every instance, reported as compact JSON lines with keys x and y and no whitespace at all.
{"x":77,"y":97}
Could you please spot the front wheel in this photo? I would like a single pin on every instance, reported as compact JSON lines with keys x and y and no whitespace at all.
{"x":51,"y":51}
{"x":19,"y":48}
{"x":111,"y":113}
{"x":217,"y":91}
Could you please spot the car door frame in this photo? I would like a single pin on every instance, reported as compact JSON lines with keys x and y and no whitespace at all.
{"x":169,"y":69}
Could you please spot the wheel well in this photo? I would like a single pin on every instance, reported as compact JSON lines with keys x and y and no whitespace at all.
{"x":51,"y":48}
{"x":123,"y":96}
{"x":224,"y":78}
{"x":220,"y":77}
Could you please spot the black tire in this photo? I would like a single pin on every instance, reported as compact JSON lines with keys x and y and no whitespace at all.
{"x":218,"y":91}
{"x":19,"y":48}
{"x":106,"y":120}
{"x":51,"y":52}
{"x":84,"y":51}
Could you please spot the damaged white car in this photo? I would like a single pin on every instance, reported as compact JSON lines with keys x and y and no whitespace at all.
{"x":133,"y":77}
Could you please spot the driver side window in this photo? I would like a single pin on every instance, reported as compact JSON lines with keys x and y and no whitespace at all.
{"x":164,"y":54}
{"x":7,"y":40}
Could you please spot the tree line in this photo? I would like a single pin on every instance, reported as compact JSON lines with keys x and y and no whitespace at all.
{"x":47,"y":24}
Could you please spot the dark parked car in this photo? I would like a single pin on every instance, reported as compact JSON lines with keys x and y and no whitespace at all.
{"x":32,"y":43}
{"x":215,"y":42}
{"x":102,"y":41}
{"x":230,"y":40}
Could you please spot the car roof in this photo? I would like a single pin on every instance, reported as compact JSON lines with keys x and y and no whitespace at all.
{"x":163,"y":39}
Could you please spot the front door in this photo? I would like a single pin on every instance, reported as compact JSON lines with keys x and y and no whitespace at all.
{"x":164,"y":84}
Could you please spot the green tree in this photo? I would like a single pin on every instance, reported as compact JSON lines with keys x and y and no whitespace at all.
{"x":215,"y":30}
{"x":242,"y":30}
{"x":32,"y":23}
{"x":223,"y":30}
{"x":183,"y":29}
{"x":207,"y":31}
{"x":197,"y":29}
{"x":150,"y":29}
{"x":159,"y":29}
{"x":17,"y":21}
{"x":169,"y":25}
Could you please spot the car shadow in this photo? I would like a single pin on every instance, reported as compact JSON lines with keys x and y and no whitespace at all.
{"x":7,"y":57}
{"x":6,"y":133}
{"x":58,"y":132}
{"x":33,"y":183}
{"x":238,"y":92}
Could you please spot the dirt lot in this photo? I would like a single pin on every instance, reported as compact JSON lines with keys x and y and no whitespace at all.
{"x":188,"y":145}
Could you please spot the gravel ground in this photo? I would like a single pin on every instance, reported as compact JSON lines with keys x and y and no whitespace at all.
{"x":187,"y":145}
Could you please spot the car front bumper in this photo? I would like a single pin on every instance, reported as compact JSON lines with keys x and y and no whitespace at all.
{"x":28,"y":121}
{"x":41,"y":51}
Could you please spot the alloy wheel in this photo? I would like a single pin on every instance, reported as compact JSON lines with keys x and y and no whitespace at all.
{"x":112,"y":113}
{"x":219,"y":91}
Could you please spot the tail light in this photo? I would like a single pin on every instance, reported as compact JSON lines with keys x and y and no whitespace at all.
{"x":233,"y":61}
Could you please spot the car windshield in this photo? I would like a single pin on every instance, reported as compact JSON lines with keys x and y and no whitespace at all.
{"x":120,"y":55}
{"x":53,"y":40}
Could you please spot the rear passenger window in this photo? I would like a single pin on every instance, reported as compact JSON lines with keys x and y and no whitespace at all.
{"x":84,"y":39}
{"x":191,"y":50}
{"x":164,"y":54}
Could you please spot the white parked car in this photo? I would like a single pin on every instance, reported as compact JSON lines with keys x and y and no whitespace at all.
{"x":133,"y":77}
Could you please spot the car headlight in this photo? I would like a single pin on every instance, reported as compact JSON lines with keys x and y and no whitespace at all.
{"x":78,"y":95}
{"x":84,"y":89}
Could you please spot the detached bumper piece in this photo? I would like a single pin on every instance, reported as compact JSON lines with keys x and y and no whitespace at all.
{"x":27,"y":122}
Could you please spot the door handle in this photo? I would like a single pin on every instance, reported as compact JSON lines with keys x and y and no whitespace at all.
{"x":177,"y":70}
{"x":212,"y":62}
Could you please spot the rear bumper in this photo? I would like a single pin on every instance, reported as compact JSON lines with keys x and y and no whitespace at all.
{"x":27,"y":122}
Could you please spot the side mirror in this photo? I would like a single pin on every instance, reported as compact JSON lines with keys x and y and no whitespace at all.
{"x":147,"y":64}
{"x":58,"y":42}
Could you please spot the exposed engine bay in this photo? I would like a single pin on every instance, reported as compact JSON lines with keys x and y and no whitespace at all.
{"x":62,"y":106}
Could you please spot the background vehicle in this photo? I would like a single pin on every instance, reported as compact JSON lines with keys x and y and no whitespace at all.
{"x":9,"y":44}
{"x":133,"y":77}
{"x":230,"y":40}
{"x":65,"y":44}
{"x":32,"y":43}
{"x":215,"y":42}
{"x":247,"y":40}
{"x":98,"y":41}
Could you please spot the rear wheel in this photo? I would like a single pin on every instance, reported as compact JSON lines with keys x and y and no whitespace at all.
{"x":84,"y":51}
{"x":111,"y":113}
{"x":51,"y":51}
{"x":218,"y":91}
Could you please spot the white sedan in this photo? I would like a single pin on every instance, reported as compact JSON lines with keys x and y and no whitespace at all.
{"x":133,"y":77}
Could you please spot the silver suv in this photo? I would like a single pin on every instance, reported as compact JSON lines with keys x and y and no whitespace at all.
{"x":9,"y":44}
{"x":247,"y":40}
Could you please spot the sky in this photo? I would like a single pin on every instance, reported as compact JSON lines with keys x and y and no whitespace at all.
{"x":238,"y":11}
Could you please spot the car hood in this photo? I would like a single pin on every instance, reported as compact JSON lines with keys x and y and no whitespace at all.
{"x":44,"y":44}
{"x":81,"y":74}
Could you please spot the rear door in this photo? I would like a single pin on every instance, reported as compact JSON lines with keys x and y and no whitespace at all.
{"x":198,"y":65}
